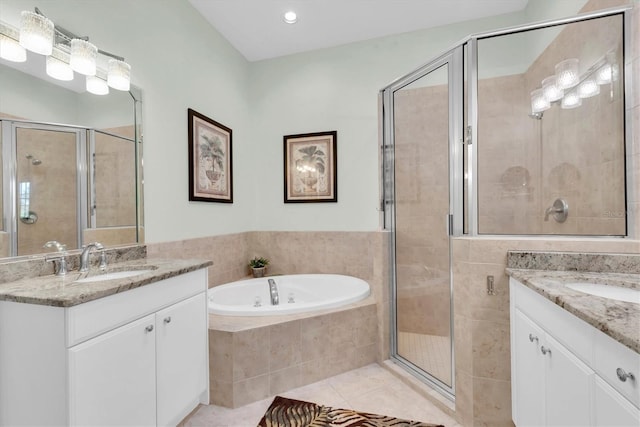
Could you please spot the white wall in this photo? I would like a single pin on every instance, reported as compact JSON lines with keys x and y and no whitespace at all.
{"x":337,"y":89}
{"x":181,"y":62}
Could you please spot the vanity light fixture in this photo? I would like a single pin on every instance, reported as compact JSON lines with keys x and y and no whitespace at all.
{"x":97,"y":85}
{"x":567,"y":73}
{"x":83,"y":57}
{"x":36,"y":32}
{"x":65,"y":51}
{"x":10,"y":48}
{"x":290,"y":17}
{"x":58,"y":65}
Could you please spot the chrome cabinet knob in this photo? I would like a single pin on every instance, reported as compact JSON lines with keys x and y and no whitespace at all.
{"x":545,"y":350}
{"x":533,"y":338}
{"x":622,"y":375}
{"x":149,"y":328}
{"x":167,"y":319}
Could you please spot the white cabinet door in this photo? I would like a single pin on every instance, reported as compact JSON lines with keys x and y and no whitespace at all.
{"x":528,"y":372}
{"x":112,"y":378}
{"x":569,"y":386}
{"x":181,"y":358}
{"x":612,"y":409}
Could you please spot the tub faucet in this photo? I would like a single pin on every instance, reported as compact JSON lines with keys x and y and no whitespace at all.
{"x":84,"y":257}
{"x":273,"y":290}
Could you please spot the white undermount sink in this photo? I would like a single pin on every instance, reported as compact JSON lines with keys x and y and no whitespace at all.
{"x":112,"y":276}
{"x":606,"y":291}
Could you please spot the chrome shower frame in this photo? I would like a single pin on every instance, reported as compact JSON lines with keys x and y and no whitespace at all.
{"x":463,"y":137}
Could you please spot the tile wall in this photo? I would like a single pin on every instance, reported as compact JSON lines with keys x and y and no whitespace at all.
{"x":250,"y":363}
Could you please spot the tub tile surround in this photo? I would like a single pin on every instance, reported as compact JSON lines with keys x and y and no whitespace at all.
{"x":252,"y":358}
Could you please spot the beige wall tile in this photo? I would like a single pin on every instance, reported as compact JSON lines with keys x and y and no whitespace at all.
{"x":284,"y":380}
{"x":250,"y":358}
{"x":491,"y":403}
{"x":284,"y":346}
{"x":491,"y":351}
{"x":250,"y":390}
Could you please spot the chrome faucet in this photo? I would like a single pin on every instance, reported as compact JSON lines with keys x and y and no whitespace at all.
{"x":273,"y":290}
{"x":59,"y":260}
{"x":84,"y":257}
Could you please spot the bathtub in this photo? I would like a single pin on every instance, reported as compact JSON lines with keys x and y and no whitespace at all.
{"x":297,"y":293}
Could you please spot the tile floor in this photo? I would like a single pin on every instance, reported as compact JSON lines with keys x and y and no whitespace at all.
{"x":430,"y":352}
{"x":368,"y":389}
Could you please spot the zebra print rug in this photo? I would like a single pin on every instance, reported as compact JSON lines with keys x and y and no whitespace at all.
{"x":285,"y":412}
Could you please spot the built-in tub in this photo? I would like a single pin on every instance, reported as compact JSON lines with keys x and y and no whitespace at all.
{"x":297,"y":293}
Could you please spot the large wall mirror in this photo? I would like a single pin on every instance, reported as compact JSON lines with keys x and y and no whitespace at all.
{"x":71,"y":162}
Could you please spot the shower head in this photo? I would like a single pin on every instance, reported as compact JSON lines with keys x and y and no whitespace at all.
{"x":34,"y":161}
{"x":537,"y":116}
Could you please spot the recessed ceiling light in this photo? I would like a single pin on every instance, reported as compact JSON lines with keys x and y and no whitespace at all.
{"x":290,"y":17}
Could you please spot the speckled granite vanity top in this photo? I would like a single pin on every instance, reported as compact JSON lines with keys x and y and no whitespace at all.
{"x":549,"y":273}
{"x":64,"y":291}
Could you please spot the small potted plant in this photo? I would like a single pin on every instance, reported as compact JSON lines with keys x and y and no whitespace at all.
{"x":258,"y":266}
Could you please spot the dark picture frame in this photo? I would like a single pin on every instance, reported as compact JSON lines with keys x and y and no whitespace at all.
{"x":311,"y":167}
{"x":210,"y":160}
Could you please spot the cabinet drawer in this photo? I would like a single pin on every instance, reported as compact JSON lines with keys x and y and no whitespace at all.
{"x":610,"y":355}
{"x":573,"y":333}
{"x":87,"y":320}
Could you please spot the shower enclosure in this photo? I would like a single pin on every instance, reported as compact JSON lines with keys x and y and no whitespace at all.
{"x":476,"y":143}
{"x":66,"y":183}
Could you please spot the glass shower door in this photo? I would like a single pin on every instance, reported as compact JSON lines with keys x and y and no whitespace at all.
{"x":423,"y":124}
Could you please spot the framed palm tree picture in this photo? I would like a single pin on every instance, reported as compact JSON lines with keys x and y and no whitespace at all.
{"x":310,"y":167}
{"x":210,"y":161}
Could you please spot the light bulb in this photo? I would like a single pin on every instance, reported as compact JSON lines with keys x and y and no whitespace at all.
{"x":58,"y":66}
{"x":571,"y":100}
{"x":290,"y":17}
{"x":97,"y":86}
{"x":588,"y":88}
{"x":11,"y":50}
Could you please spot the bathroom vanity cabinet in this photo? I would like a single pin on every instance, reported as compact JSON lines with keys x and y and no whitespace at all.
{"x":565,"y":372}
{"x":138,"y":357}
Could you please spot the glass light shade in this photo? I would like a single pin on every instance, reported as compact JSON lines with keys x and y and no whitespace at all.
{"x":97,"y":86}
{"x":551,"y":90}
{"x":83,"y":57}
{"x":606,"y":74}
{"x":567,"y":73}
{"x":58,"y":66}
{"x":571,"y":100}
{"x":588,"y":88}
{"x":11,"y":50}
{"x":539,"y":102}
{"x":36,"y":33}
{"x":118,"y":76}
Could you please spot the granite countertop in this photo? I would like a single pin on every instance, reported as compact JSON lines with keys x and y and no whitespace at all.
{"x":64,"y":291}
{"x":618,"y":319}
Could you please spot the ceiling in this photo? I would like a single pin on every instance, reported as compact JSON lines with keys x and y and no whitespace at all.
{"x":257,"y":29}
